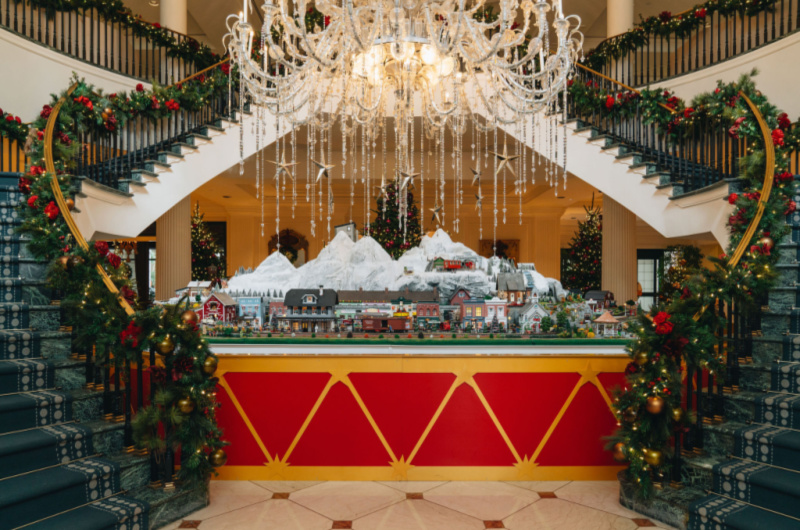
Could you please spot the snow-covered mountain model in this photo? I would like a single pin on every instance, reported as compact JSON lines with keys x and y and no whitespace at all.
{"x":344,"y":265}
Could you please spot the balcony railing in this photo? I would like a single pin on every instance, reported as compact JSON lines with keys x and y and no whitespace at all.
{"x":641,"y":57}
{"x":163,"y":56}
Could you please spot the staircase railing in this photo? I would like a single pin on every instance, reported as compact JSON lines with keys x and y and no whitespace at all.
{"x":738,"y":316}
{"x":690,"y":162}
{"x":123,"y":45}
{"x":656,"y":50}
{"x":109,"y":159}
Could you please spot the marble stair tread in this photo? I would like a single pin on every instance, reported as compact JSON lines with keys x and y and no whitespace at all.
{"x":33,"y":496}
{"x":720,"y":513}
{"x":118,"y":512}
{"x":25,"y":375}
{"x":761,"y":485}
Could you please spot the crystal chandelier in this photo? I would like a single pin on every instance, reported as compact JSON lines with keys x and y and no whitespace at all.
{"x":457,"y":65}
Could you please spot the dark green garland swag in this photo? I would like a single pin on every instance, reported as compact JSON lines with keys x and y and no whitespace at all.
{"x":185,"y":403}
{"x":667,"y":25}
{"x":649,"y":408}
{"x":115,"y":11}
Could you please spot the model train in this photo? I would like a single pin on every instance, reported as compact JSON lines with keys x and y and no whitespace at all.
{"x":385,"y":324}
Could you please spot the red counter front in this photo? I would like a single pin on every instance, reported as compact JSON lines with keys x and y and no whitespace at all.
{"x":418,"y":417}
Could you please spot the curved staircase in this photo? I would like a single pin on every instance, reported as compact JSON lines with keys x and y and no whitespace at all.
{"x":61,"y":465}
{"x":747,"y":473}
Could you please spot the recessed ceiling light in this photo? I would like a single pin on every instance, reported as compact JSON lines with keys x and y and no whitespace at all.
{"x":226,"y":196}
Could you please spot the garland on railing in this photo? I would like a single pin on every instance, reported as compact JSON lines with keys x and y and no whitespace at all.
{"x":681,"y":331}
{"x":183,"y":410}
{"x":668,"y":25}
{"x":11,"y":127}
{"x":187,"y":49}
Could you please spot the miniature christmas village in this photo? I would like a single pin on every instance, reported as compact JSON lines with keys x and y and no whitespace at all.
{"x":438,"y":288}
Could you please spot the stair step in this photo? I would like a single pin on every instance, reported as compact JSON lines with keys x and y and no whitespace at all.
{"x":768,"y":444}
{"x":785,"y":377}
{"x":33,"y":496}
{"x":715,"y":512}
{"x":119,"y":512}
{"x":17,"y":315}
{"x":765,"y":486}
{"x":26,"y":375}
{"x":33,"y":449}
{"x":23,"y":344}
{"x":34,"y":409}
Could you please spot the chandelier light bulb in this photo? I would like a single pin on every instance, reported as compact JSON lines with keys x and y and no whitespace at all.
{"x":429,"y":54}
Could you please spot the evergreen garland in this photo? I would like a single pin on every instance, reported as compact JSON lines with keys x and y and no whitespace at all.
{"x":665,"y":24}
{"x":679,"y":333}
{"x":208,"y":264}
{"x":582,"y":266}
{"x":183,"y":374}
{"x":11,"y":127}
{"x":387,"y":228}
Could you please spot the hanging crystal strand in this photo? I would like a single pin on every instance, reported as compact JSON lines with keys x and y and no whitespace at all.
{"x":294,"y":159}
{"x":478,"y":156}
{"x":494,"y":189}
{"x":520,"y":184}
{"x":241,"y":123}
{"x":258,"y":150}
{"x":383,"y":157}
{"x":534,"y":152}
{"x":277,"y":180}
{"x":441,"y":175}
{"x":422,"y":169}
{"x":505,"y":145}
{"x":564,"y":139}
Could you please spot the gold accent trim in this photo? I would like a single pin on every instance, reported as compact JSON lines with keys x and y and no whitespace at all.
{"x":62,"y":205}
{"x":402,"y":468}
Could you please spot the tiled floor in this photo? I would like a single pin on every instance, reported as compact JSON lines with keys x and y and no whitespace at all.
{"x":414,"y":505}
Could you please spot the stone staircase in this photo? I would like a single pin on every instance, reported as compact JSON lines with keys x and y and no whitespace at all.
{"x":61,"y":465}
{"x":748,"y":475}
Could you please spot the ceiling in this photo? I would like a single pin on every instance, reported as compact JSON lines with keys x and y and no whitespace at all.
{"x":206,"y":20}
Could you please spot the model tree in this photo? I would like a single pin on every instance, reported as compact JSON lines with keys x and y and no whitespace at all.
{"x":207,"y":262}
{"x":388,"y":230}
{"x":582,"y":265}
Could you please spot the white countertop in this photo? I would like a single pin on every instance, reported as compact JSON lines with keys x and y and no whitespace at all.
{"x":487,"y":350}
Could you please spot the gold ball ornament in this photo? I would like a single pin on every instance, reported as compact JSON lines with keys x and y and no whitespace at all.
{"x":189,"y":317}
{"x":629,"y":415}
{"x":676,"y":414}
{"x":70,"y":204}
{"x":210,"y":365}
{"x":63,"y":262}
{"x":655,"y":404}
{"x":653,"y":457}
{"x":619,"y":452}
{"x":641,"y":358}
{"x":166,"y":346}
{"x":186,"y":405}
{"x":766,"y":242}
{"x":218,"y":458}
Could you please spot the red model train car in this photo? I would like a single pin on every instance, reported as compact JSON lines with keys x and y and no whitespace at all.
{"x":378,"y":325}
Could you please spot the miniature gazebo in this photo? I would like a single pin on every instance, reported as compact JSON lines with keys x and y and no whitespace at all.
{"x":606,"y":324}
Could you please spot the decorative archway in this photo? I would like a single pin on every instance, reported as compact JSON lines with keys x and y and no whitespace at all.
{"x":291,"y":244}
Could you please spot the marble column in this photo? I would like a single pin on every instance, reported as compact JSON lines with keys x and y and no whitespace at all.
{"x":173,"y":15}
{"x":619,"y":16}
{"x":174,"y":249}
{"x":619,"y":251}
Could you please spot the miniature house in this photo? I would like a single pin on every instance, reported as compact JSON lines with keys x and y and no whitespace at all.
{"x":606,"y":324}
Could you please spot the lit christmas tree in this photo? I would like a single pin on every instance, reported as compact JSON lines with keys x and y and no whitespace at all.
{"x":581,"y":267}
{"x":682,"y":262}
{"x":207,"y":262}
{"x":386,"y":228}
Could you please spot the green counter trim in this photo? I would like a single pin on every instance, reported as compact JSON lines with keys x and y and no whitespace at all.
{"x":421,"y":342}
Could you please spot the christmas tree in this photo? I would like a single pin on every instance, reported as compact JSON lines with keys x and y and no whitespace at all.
{"x":581,"y":266}
{"x":207,"y":260}
{"x":387,"y":229}
{"x":682,"y":261}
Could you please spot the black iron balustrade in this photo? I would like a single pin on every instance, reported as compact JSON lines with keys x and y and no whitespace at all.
{"x":718,"y":38}
{"x":705,"y":156}
{"x":87,"y":36}
{"x":109,"y":158}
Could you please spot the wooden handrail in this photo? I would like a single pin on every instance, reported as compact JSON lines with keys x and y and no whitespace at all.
{"x":62,"y":204}
{"x":766,"y":188}
{"x":204,"y":70}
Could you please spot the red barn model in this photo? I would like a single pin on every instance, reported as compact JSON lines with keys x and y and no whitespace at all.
{"x":219,"y":307}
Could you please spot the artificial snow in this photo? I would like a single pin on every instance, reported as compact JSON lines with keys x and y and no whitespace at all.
{"x":345,"y":265}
